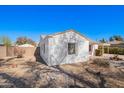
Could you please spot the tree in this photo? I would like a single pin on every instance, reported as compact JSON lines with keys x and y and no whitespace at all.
{"x":111,"y":39}
{"x":103,"y":40}
{"x":6,"y":41}
{"x":25,"y":40}
{"x":116,"y":38}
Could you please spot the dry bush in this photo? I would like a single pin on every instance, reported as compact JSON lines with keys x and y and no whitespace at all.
{"x":101,"y":62}
{"x":116,"y":58}
{"x":19,"y":52}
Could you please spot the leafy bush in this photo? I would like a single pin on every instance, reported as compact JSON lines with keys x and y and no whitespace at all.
{"x":102,"y":62}
{"x":106,"y":50}
{"x":98,"y":52}
{"x":115,"y":50}
{"x":25,"y":40}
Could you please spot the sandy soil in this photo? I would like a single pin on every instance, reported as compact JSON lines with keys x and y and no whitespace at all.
{"x":23,"y":72}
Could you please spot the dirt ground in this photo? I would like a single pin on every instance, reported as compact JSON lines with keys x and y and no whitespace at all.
{"x":107,"y":56}
{"x":23,"y":72}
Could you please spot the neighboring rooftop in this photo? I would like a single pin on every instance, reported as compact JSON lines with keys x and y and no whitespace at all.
{"x":116,"y":42}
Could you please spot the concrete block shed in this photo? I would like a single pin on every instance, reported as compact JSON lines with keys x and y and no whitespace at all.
{"x":64,"y":48}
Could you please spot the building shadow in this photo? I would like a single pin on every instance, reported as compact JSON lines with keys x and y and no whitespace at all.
{"x":38,"y":57}
{"x":12,"y":82}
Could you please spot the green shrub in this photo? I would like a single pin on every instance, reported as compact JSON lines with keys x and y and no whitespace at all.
{"x":121,"y":51}
{"x":101,"y":62}
{"x":98,"y":52}
{"x":116,"y":50}
{"x":106,"y":50}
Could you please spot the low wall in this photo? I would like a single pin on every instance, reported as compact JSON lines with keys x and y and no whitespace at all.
{"x":29,"y":51}
{"x":10,"y":51}
{"x":2,"y":51}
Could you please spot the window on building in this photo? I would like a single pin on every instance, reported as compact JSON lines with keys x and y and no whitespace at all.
{"x":71,"y":48}
{"x":44,"y":47}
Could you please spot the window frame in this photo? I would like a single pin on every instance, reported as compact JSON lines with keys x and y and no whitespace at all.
{"x":72,"y":45}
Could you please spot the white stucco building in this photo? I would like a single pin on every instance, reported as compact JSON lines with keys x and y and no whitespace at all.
{"x":63,"y":48}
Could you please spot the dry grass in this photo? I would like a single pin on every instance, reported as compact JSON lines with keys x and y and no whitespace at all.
{"x":101,"y":62}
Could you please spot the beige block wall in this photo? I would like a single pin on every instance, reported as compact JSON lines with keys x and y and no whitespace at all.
{"x":10,"y":51}
{"x":29,"y":51}
{"x":2,"y":51}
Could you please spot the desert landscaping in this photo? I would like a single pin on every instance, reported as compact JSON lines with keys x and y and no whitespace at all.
{"x":61,"y":46}
{"x":26,"y":72}
{"x":27,"y":64}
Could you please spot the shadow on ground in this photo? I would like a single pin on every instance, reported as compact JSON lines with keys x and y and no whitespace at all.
{"x":38,"y":57}
{"x":9,"y":81}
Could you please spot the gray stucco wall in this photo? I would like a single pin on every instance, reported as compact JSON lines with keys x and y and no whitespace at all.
{"x":58,"y":49}
{"x":44,"y":54}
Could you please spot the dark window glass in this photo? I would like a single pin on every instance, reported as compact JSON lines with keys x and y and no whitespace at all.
{"x":44,"y":47}
{"x":71,"y":48}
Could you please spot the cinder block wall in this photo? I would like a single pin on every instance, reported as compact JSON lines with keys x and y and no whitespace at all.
{"x":2,"y":51}
{"x":10,"y":51}
{"x":29,"y":51}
